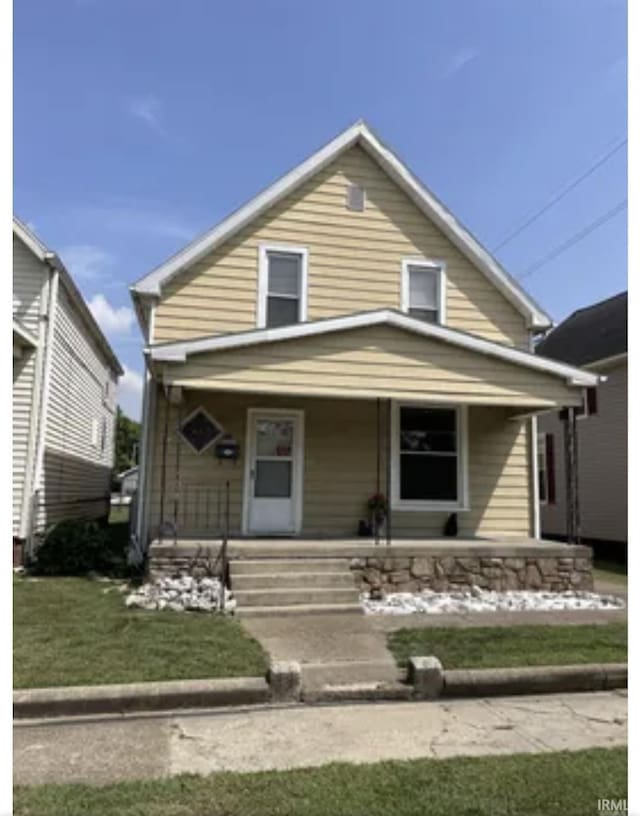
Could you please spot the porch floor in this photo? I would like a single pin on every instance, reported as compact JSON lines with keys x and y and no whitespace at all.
{"x":353,"y":547}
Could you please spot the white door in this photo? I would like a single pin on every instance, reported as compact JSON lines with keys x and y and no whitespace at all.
{"x":274,"y":463}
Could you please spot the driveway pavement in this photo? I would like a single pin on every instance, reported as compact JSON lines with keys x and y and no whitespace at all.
{"x":152,"y":746}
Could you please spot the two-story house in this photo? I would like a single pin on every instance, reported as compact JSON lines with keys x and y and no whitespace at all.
{"x":65,"y":378}
{"x":353,"y":338}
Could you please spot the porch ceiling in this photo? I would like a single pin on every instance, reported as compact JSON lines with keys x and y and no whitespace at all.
{"x":385,"y":358}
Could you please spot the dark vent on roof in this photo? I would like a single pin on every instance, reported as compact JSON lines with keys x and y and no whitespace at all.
{"x":355,"y":198}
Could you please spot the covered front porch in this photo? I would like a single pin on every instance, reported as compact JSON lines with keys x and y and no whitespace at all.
{"x":372,"y":430}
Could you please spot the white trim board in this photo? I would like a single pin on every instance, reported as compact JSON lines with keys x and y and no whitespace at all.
{"x":178,"y":352}
{"x":425,"y":200}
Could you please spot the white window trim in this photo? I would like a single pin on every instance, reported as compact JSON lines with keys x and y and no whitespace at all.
{"x":183,"y":422}
{"x":431,"y":264}
{"x":462,"y":504}
{"x":263,"y":279}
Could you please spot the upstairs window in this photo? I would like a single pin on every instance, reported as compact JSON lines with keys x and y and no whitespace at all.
{"x":423,"y":290}
{"x":282,"y":286}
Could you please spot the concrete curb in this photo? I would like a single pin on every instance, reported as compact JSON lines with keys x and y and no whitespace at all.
{"x":534,"y":680}
{"x":428,"y":681}
{"x":129,"y":697}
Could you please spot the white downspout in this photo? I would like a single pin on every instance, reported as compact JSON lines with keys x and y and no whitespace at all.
{"x":41,"y":432}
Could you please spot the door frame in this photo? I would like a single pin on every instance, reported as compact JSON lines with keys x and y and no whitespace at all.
{"x":298,"y":465}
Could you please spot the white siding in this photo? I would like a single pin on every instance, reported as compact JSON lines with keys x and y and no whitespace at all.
{"x":76,"y":471}
{"x":602,"y":465}
{"x":29,"y":281}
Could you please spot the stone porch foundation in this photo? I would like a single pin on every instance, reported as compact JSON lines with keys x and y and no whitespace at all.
{"x":443,"y":573}
{"x":407,"y":565}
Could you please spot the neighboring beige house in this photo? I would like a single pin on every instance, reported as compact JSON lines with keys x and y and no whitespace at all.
{"x":596,"y":338}
{"x":352,"y":337}
{"x":64,"y":394}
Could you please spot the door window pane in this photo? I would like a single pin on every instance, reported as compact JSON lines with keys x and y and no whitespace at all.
{"x":273,"y":479}
{"x":274,"y":437}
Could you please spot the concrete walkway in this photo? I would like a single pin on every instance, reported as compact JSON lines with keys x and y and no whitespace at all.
{"x":331,"y":649}
{"x":154,"y":746}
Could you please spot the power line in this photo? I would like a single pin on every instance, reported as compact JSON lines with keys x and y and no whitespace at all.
{"x":574,"y":239}
{"x":559,"y":196}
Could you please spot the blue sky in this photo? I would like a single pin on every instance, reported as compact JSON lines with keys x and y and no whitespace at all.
{"x":138,"y":124}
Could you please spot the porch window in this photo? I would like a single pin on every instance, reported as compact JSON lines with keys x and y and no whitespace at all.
{"x":282,"y":286}
{"x":429,"y":459}
{"x":423,"y":290}
{"x":546,"y":469}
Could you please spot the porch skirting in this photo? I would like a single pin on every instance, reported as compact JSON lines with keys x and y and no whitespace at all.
{"x":407,"y":566}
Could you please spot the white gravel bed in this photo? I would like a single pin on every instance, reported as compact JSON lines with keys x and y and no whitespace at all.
{"x":182,"y":594}
{"x":481,"y":600}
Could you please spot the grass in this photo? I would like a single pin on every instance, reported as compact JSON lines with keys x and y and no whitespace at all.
{"x":520,"y":785}
{"x":75,"y":631}
{"x":610,"y":571}
{"x":504,"y":646}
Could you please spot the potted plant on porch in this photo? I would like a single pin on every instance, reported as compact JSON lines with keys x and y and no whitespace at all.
{"x":377,"y":506}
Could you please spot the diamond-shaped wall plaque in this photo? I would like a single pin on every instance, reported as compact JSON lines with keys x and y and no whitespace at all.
{"x":199,"y":430}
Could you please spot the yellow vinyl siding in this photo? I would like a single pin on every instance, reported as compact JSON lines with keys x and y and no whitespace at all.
{"x":354,"y":262}
{"x":339,"y":469}
{"x":376,"y":361}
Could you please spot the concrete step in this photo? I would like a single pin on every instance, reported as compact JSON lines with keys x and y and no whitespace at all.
{"x":294,"y":580}
{"x":299,"y":609}
{"x":284,"y":566}
{"x":291,"y":597}
{"x":358,"y":692}
{"x":349,"y":672}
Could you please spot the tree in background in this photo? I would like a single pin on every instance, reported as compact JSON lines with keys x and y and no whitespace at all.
{"x":127,"y":442}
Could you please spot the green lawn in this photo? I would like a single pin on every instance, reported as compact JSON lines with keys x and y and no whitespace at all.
{"x":74,"y":631}
{"x":610,"y":571}
{"x":503,"y":646}
{"x":562,"y":784}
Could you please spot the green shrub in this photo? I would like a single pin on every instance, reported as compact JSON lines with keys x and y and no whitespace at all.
{"x":76,"y":547}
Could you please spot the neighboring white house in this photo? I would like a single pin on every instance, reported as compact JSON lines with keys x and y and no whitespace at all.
{"x":64,"y":394}
{"x":596,"y":339}
{"x":128,"y":481}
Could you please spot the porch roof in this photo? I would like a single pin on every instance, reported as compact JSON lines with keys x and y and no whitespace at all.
{"x":382,"y":353}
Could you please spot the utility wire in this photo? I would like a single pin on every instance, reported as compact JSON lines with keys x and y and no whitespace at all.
{"x":560,"y":195}
{"x":579,"y":236}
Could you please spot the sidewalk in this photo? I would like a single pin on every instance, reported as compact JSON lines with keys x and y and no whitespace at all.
{"x":109,"y":750}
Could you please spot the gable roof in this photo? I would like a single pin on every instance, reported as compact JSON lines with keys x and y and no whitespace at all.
{"x":178,"y":351}
{"x":42,"y":253}
{"x":593,"y":333}
{"x":425,"y":200}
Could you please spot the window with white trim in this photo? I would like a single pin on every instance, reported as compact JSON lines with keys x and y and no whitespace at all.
{"x":429,"y":466}
{"x":423,"y":290}
{"x":282,"y":286}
